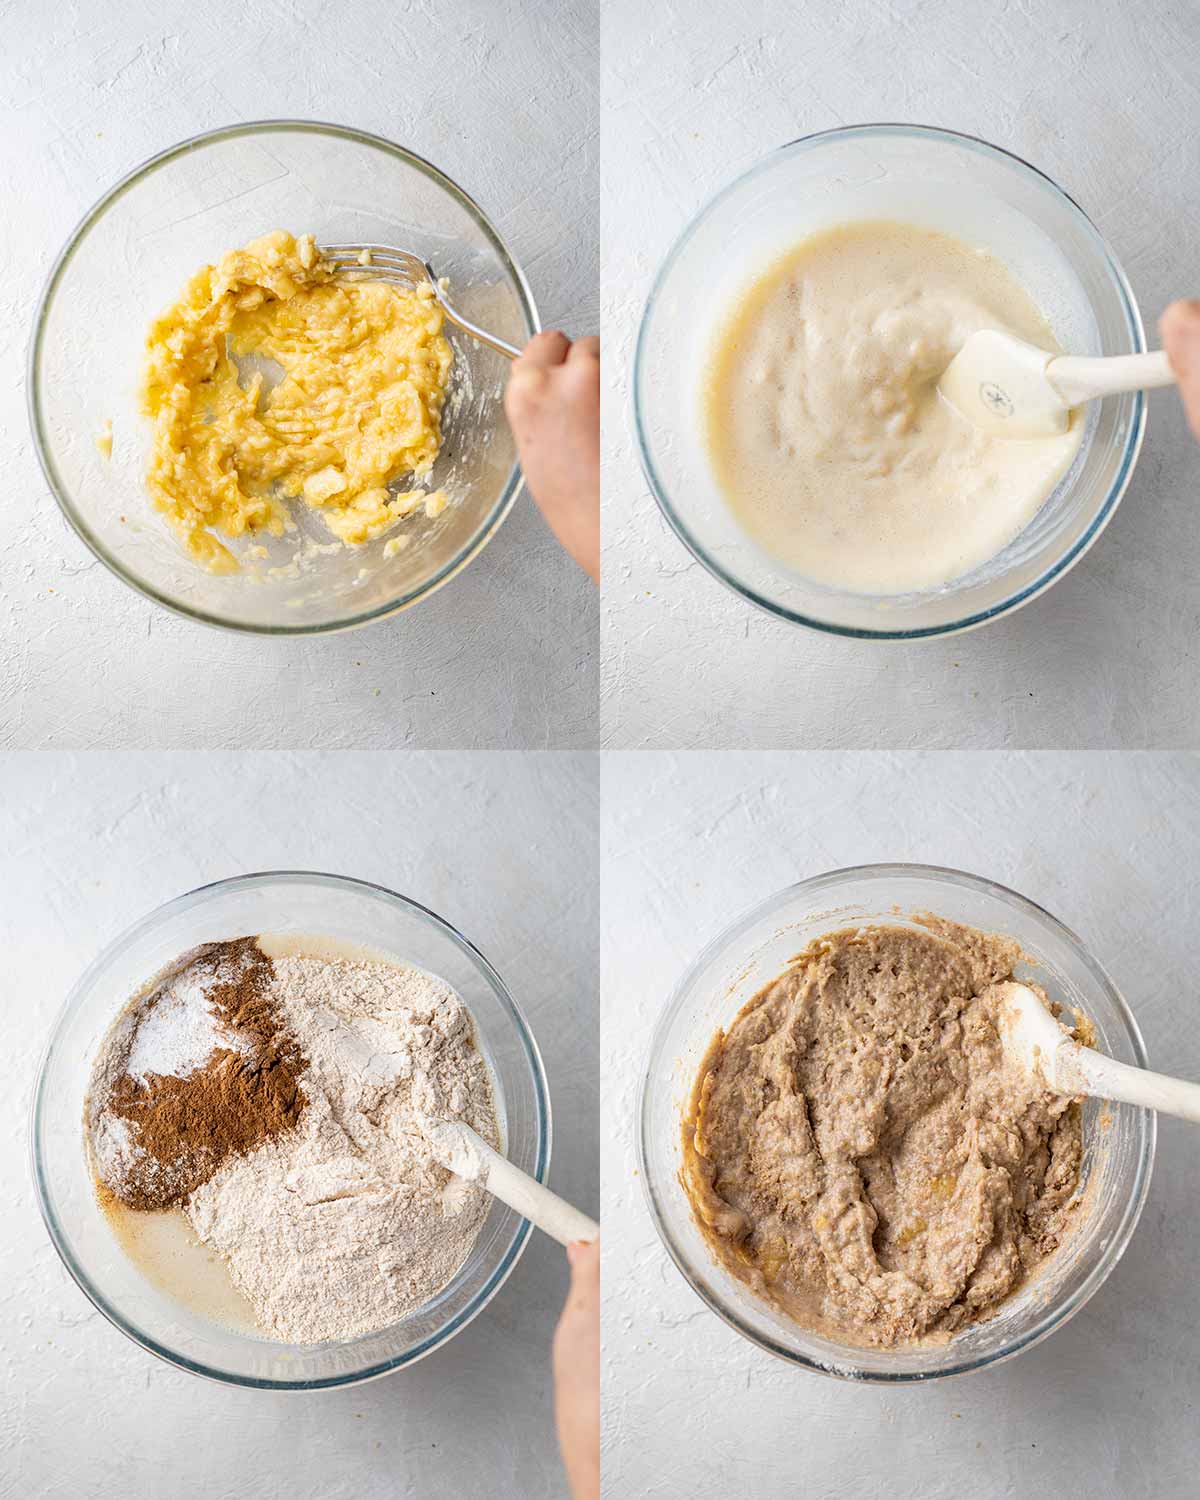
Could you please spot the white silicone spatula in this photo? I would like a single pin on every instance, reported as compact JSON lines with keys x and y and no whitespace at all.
{"x":1007,"y":387}
{"x":464,"y":1152}
{"x":1033,"y":1038}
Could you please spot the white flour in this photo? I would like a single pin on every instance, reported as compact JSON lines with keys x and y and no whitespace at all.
{"x":179,"y":1032}
{"x":345,"y":1224}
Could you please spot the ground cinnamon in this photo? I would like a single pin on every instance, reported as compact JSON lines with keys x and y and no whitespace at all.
{"x":187,"y":1127}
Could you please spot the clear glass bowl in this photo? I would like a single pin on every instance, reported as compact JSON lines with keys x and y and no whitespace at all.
{"x":945,"y":181}
{"x":312,"y":905}
{"x":131,"y":257}
{"x":1117,"y":1157}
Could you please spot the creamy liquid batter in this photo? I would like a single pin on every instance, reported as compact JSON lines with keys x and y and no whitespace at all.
{"x":165,"y":1249}
{"x":825,"y":429}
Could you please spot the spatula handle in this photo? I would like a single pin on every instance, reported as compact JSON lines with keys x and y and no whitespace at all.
{"x":1111,"y":1079}
{"x":550,"y":1213}
{"x":1077,"y":378}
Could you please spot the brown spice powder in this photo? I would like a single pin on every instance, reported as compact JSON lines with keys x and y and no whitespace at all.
{"x":187,"y":1127}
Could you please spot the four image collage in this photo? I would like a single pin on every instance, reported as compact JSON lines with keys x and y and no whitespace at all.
{"x":600,"y":750}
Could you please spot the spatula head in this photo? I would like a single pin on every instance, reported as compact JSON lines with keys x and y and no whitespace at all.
{"x":999,"y":384}
{"x":1030,"y":1034}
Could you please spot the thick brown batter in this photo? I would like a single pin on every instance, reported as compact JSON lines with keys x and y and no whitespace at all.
{"x":858,"y":1152}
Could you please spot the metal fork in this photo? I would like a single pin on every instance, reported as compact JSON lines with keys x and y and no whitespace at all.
{"x":401,"y":268}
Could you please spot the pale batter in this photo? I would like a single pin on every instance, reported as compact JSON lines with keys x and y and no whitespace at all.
{"x":827,"y":435}
{"x":358,"y":403}
{"x":858,"y":1151}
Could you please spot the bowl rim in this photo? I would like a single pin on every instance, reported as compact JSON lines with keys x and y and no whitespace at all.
{"x":521,"y":1233}
{"x":1061,"y":566}
{"x":844,"y":1366}
{"x":470,"y":549}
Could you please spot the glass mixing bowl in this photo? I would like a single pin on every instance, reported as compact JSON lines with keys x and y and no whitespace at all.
{"x":935,"y":178}
{"x":131,"y":257}
{"x":298,"y":902}
{"x":1118,"y":1138}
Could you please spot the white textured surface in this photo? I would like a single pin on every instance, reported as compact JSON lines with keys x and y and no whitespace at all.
{"x":1101,"y":95}
{"x":1106,"y":1407}
{"x":505,"y":847}
{"x":505,"y":101}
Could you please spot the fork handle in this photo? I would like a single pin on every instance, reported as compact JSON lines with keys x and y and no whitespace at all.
{"x":509,"y":351}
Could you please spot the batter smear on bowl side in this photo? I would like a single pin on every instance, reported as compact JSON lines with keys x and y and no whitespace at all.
{"x":857,"y":1151}
{"x":363,"y":371}
{"x":825,"y":430}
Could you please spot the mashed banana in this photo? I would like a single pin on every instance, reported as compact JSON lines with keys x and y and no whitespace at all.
{"x":364,"y":374}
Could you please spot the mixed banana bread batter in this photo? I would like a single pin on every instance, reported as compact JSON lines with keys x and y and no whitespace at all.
{"x":857,"y":1150}
{"x":362,"y":368}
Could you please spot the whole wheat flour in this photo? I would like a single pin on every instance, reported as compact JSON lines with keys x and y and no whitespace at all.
{"x":343,"y":1222}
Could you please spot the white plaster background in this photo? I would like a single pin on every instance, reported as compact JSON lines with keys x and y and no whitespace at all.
{"x":503,"y":846}
{"x":1106,"y":1407}
{"x":502,"y":95}
{"x":1102,"y":95}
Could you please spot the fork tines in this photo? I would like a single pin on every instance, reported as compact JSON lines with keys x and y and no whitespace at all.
{"x":386,"y":263}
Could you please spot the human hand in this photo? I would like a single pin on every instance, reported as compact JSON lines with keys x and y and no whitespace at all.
{"x":577,"y":1373}
{"x":553,"y":404}
{"x":1180,"y":329}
